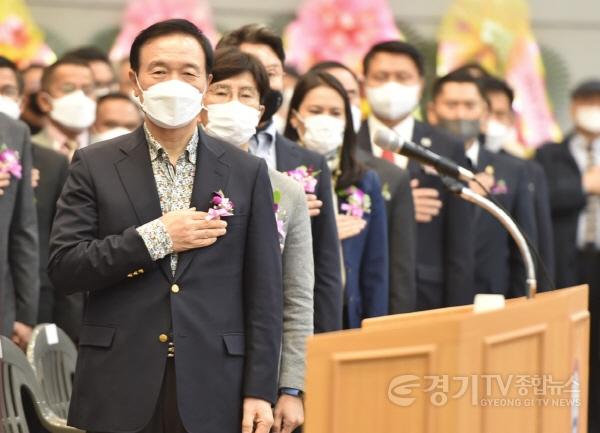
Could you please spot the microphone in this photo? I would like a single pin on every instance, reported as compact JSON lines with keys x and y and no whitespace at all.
{"x":389,"y":140}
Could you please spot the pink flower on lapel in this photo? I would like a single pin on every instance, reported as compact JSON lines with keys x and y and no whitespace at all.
{"x":307,"y":177}
{"x":357,"y":202}
{"x":9,"y":162}
{"x":280,"y":217}
{"x":500,"y":187}
{"x":221,"y":206}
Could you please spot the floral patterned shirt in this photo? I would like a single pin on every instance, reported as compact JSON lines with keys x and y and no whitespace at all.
{"x":174,"y":184}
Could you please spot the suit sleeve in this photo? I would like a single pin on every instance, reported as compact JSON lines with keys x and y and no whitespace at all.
{"x":566,"y":192}
{"x":374,"y":267}
{"x":298,"y":286}
{"x":328,"y":267}
{"x":79,"y":259}
{"x":402,"y":229}
{"x":459,"y":246}
{"x":23,"y":242}
{"x":263,"y":302}
{"x":524,"y":215}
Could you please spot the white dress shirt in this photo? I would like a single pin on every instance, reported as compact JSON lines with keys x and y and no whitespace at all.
{"x":262,"y":144}
{"x":404,"y":129}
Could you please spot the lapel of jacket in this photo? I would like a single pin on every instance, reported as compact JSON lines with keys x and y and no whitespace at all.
{"x":135,"y":171}
{"x":288,"y":156}
{"x":419,"y":133}
{"x":568,"y":155}
{"x":212,"y":174}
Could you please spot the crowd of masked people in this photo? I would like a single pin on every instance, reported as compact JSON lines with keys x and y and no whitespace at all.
{"x":366,"y":232}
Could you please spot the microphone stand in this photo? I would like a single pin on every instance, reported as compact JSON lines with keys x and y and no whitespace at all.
{"x":471,"y":196}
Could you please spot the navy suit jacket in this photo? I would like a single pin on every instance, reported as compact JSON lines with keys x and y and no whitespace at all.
{"x":567,"y":200}
{"x":444,"y":245}
{"x":326,"y":244}
{"x":366,"y":261}
{"x":402,"y":231}
{"x":225,"y":319}
{"x":499,"y":267}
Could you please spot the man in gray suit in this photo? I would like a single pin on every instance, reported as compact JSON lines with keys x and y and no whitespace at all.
{"x":19,"y":278}
{"x":234,"y":103}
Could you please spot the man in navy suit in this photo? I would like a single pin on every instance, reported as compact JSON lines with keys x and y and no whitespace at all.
{"x":183,"y":318}
{"x":501,"y":137}
{"x":572,"y":168}
{"x":394,"y":81}
{"x":459,"y":106}
{"x":283,"y":155}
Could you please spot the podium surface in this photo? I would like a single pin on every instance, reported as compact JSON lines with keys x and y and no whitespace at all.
{"x":523,"y":368}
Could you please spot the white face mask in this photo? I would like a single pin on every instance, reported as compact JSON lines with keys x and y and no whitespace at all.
{"x":323,"y":134}
{"x":356,"y":117}
{"x":74,"y":110}
{"x":171,"y":104}
{"x":392,"y":101}
{"x":496,"y":135}
{"x":588,"y":118}
{"x":232,"y":122}
{"x":9,"y":107}
{"x":109,"y":134}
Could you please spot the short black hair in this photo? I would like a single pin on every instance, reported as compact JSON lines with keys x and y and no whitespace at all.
{"x":48,"y":73}
{"x":9,"y":64}
{"x":474,"y":69}
{"x":332,"y":64}
{"x":115,"y":96}
{"x":88,"y":54}
{"x":496,"y":85}
{"x":254,"y":34}
{"x":170,"y":27}
{"x":395,"y":47}
{"x":459,"y":76}
{"x":230,"y":62}
{"x":587,"y":89}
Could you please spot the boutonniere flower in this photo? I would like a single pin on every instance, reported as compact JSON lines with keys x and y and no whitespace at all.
{"x":307,"y":177}
{"x":357,"y":202}
{"x":10,"y":162}
{"x":221,"y":206}
{"x":385,"y":192}
{"x":280,"y":218}
{"x":499,"y":187}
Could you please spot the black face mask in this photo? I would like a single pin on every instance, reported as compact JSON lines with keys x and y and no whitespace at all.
{"x":463,"y":129}
{"x":272,"y":101}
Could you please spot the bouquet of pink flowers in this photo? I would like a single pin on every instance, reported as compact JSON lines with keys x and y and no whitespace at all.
{"x":9,"y":162}
{"x":357,"y":202}
{"x":306,"y":176}
{"x":221,"y":206}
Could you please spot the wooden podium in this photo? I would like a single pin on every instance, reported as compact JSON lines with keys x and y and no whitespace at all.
{"x":523,"y":368}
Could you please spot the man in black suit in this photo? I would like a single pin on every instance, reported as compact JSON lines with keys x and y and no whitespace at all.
{"x":19,"y":282}
{"x":394,"y":80}
{"x":397,"y":194}
{"x":183,"y":318}
{"x":19,"y":287}
{"x":572,"y":168}
{"x":48,"y":176}
{"x":501,"y":137}
{"x":459,"y":106}
{"x":284,"y":155}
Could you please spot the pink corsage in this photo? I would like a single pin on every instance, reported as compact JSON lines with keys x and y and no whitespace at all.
{"x":9,"y":162}
{"x":280,"y":217}
{"x":357,"y":203}
{"x":221,"y":206}
{"x":500,"y":187}
{"x":306,"y":176}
